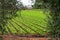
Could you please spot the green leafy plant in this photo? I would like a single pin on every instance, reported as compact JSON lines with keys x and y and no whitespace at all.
{"x":54,"y":21}
{"x":8,"y":10}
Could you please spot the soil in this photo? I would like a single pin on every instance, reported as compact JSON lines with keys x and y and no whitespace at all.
{"x":16,"y":37}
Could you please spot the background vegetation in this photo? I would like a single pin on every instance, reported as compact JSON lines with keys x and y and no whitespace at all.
{"x":45,"y":16}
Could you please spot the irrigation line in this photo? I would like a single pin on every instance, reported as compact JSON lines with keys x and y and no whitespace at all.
{"x":29,"y":27}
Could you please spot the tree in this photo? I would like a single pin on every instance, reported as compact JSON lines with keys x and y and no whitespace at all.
{"x":8,"y":10}
{"x":55,"y":8}
{"x":54,"y":22}
{"x":38,"y":4}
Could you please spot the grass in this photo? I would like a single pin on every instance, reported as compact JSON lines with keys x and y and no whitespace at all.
{"x":30,"y":21}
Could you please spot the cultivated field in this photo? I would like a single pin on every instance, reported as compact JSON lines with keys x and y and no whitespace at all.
{"x":28,"y":22}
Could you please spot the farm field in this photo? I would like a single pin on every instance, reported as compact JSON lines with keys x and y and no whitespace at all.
{"x":28,"y":21}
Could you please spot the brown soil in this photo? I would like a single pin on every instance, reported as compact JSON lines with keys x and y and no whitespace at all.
{"x":15,"y":37}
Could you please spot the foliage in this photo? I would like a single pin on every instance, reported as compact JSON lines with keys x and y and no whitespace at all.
{"x":38,"y":4}
{"x":7,"y":11}
{"x":55,"y":8}
{"x":54,"y":23}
